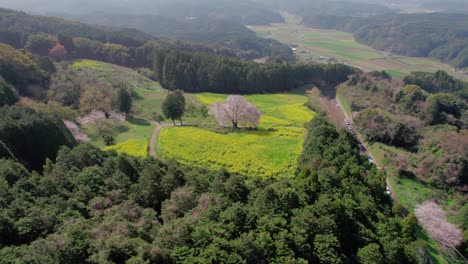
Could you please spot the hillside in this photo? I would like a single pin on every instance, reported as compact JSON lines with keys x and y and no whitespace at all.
{"x":207,"y":30}
{"x":168,"y":143}
{"x":17,"y":26}
{"x":418,"y":133}
{"x":438,"y":35}
{"x":101,"y":207}
{"x":244,"y":12}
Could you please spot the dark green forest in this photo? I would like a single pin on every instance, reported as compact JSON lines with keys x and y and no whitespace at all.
{"x":201,"y":72}
{"x":99,"y":207}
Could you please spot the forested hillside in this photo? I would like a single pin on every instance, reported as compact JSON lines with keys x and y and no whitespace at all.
{"x":439,"y":35}
{"x":245,"y":12}
{"x":100,"y":207}
{"x":207,"y":30}
{"x":418,"y":131}
{"x":19,"y":29}
{"x":15,"y":27}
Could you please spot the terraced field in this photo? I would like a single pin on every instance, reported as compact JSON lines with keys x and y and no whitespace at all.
{"x":271,"y":151}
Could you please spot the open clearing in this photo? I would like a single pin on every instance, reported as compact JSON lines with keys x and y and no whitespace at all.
{"x":270,"y":151}
{"x":133,"y":135}
{"x":311,"y":43}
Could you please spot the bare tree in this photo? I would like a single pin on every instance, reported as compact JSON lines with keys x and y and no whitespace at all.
{"x":236,"y":111}
{"x":433,"y":219}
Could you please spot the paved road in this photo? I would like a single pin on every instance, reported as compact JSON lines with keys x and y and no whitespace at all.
{"x":367,"y":152}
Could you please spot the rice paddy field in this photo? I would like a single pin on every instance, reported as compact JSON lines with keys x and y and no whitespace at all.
{"x":312,"y":43}
{"x":270,"y":151}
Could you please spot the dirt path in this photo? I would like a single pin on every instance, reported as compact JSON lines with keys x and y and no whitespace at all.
{"x":154,"y":137}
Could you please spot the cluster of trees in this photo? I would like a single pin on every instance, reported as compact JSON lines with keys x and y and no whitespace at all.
{"x":377,"y":126}
{"x":21,"y":69}
{"x":442,"y":158}
{"x":99,"y":207}
{"x":430,"y":122}
{"x":31,"y":137}
{"x":201,"y":72}
{"x":438,"y":82}
{"x":223,"y":33}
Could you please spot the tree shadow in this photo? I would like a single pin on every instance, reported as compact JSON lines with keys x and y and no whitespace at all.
{"x":138,"y":122}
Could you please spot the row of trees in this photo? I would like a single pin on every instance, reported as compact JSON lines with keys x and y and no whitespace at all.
{"x":99,"y":207}
{"x":201,"y":72}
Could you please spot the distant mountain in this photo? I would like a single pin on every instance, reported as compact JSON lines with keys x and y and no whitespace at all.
{"x":197,"y":29}
{"x":242,"y":11}
{"x":16,"y":26}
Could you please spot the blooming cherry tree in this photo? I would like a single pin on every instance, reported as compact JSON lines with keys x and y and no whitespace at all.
{"x":433,"y":219}
{"x":236,"y":111}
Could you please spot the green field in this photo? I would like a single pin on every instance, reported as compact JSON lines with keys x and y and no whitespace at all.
{"x":147,"y":94}
{"x":133,"y":135}
{"x":311,"y":43}
{"x":271,"y":151}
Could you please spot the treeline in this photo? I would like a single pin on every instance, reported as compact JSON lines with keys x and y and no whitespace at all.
{"x":438,"y":35}
{"x":438,"y":82}
{"x":200,"y":72}
{"x":211,"y":31}
{"x":16,"y":27}
{"x":99,"y":207}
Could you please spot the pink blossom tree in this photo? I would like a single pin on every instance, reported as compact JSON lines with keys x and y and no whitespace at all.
{"x":433,"y":219}
{"x":236,"y":111}
{"x":58,"y":51}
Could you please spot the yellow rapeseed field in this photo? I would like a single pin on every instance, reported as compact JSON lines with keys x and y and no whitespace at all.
{"x":272,"y":151}
{"x":132,"y":147}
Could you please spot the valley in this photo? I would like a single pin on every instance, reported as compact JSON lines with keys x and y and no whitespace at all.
{"x":325,"y":45}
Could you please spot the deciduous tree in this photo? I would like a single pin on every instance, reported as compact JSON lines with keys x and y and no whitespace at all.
{"x":236,"y":111}
{"x":58,"y":52}
{"x":174,"y":106}
{"x":434,"y":220}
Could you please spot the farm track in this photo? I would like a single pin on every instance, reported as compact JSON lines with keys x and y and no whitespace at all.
{"x":154,"y":137}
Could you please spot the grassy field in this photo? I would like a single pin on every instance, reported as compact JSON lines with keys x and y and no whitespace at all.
{"x":133,"y":135}
{"x":344,"y":104}
{"x":263,"y":153}
{"x":312,"y":43}
{"x":147,"y":94}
